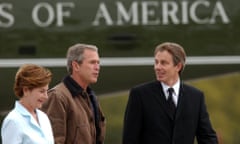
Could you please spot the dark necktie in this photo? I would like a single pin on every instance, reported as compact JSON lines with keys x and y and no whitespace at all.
{"x":170,"y":102}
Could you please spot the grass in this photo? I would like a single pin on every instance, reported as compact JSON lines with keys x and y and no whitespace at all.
{"x":113,"y":108}
{"x":222,"y":98}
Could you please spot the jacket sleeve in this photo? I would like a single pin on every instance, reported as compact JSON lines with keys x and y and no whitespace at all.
{"x":205,"y":131}
{"x":56,"y":110}
{"x":11,"y":132}
{"x":102,"y":126}
{"x":132,"y":119}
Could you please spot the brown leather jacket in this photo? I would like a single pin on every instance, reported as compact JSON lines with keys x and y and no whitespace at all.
{"x":72,"y":116}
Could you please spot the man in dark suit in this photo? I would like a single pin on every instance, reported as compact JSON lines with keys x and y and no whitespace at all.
{"x":167,"y":111}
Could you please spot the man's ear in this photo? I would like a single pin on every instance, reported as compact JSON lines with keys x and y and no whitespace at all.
{"x":180,"y":67}
{"x":75,"y":65}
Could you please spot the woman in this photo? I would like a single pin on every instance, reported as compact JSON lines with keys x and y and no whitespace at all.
{"x":26,"y":124}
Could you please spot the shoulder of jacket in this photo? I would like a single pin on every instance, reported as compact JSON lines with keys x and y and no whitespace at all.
{"x":190,"y":88}
{"x":146,"y":84}
{"x":60,"y":90}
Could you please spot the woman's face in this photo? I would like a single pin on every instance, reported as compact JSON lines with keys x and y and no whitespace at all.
{"x":35,"y":97}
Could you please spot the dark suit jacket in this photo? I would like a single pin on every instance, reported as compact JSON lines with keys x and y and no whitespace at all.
{"x":147,"y":120}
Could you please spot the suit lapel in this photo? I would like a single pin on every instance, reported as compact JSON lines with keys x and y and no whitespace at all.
{"x":159,"y":95}
{"x":181,"y":101}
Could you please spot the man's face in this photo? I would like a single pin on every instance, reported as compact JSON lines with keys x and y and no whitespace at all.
{"x":165,"y":69}
{"x":90,"y":66}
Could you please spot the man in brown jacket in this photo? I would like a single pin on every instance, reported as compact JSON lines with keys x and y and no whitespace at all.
{"x":72,"y":107}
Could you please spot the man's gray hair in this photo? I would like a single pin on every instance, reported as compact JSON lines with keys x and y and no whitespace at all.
{"x":75,"y":53}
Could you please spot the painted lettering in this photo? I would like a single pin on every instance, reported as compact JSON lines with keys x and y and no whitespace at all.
{"x":59,"y":14}
{"x":6,"y":18}
{"x":102,"y":13}
{"x":162,"y":13}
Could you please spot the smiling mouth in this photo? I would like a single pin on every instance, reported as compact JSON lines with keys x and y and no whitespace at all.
{"x":41,"y":101}
{"x":159,"y":73}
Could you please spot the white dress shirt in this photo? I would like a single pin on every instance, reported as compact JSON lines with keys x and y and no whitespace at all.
{"x":176,"y":88}
{"x":19,"y":127}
